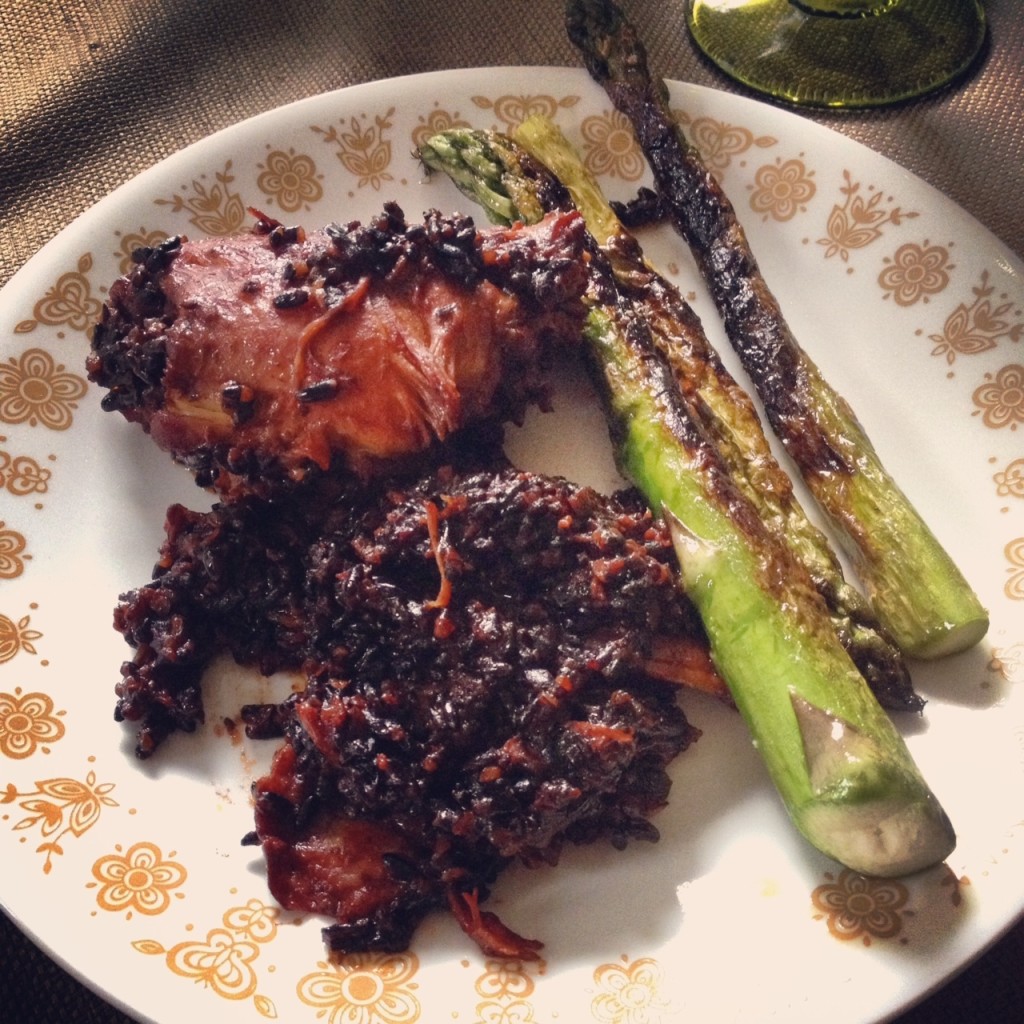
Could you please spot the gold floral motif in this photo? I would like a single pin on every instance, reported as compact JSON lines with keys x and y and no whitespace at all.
{"x":255,"y":920}
{"x":12,"y":553}
{"x":609,"y":146}
{"x":22,"y":475}
{"x":134,"y":240}
{"x":505,"y":985}
{"x":915,"y":272}
{"x":857,"y":222}
{"x":36,"y":389}
{"x":437,"y":120}
{"x":1000,"y":400}
{"x":213,"y":209}
{"x":1010,"y":481}
{"x":512,"y":110}
{"x":858,"y":907}
{"x":290,"y":179}
{"x":60,"y":807}
{"x":137,"y":880}
{"x":223,"y":961}
{"x":27,"y":723}
{"x":16,"y":636}
{"x":628,"y":993}
{"x":1014,"y":552}
{"x":717,"y":142}
{"x":505,"y":979}
{"x":505,"y":1013}
{"x":69,"y":303}
{"x":782,"y":190}
{"x":364,"y":988}
{"x":978,"y":327}
{"x":363,"y":147}
{"x":1008,"y":662}
{"x":265,"y":1006}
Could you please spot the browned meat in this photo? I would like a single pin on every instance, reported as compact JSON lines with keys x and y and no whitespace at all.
{"x":474,"y":641}
{"x":474,"y":647}
{"x":348,"y":869}
{"x":260,"y":358}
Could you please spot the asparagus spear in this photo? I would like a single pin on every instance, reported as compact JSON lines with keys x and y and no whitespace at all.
{"x":723,"y":407}
{"x":730,"y":416}
{"x":843,"y":771}
{"x":913,"y":584}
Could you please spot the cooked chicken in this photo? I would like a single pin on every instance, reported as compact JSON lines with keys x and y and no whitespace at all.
{"x":478,"y":642}
{"x":259,"y":358}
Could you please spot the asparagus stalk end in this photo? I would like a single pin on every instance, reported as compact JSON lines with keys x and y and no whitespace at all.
{"x":845,"y":776}
{"x":885,"y":823}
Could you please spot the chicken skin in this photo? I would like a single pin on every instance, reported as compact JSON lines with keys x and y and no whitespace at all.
{"x":259,"y":359}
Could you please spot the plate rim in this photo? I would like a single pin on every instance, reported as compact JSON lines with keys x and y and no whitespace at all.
{"x":100,"y":210}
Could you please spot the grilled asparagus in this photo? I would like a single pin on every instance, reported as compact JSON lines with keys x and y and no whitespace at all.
{"x":722,"y":406}
{"x":916,"y":589}
{"x":842,"y":769}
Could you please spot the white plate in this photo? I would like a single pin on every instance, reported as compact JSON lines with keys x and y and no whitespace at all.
{"x":132,"y":875}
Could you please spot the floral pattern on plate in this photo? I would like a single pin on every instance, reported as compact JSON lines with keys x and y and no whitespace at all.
{"x":912,"y":309}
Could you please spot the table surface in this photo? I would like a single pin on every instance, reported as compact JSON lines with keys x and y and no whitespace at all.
{"x":92,"y":92}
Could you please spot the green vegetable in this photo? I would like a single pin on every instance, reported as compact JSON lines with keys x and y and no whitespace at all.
{"x":840,"y":766}
{"x":917,"y":591}
{"x":729,"y":415}
{"x":491,"y":169}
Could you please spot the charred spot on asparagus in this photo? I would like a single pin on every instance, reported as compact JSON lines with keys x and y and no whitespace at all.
{"x":916,"y":590}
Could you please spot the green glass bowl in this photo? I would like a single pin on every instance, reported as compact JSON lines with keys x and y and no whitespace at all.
{"x":840,"y":53}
